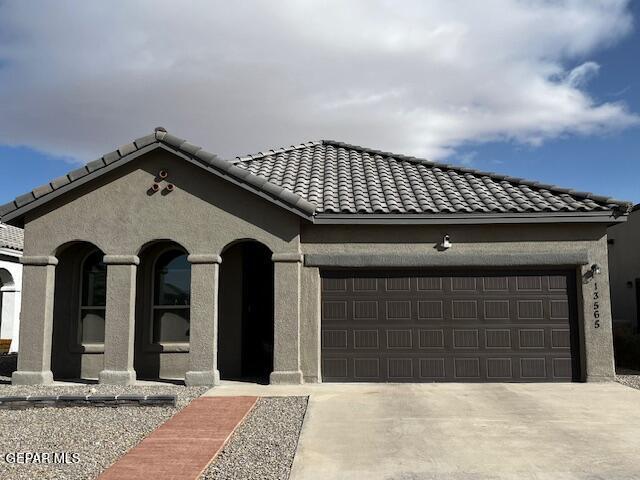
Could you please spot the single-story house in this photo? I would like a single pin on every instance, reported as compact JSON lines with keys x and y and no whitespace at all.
{"x":320,"y":262}
{"x":624,"y":271}
{"x":11,"y":244}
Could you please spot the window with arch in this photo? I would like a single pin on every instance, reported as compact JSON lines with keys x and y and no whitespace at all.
{"x":171,"y":297}
{"x":93,"y":298}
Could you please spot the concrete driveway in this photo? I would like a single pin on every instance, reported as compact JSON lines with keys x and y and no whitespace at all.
{"x":465,"y":431}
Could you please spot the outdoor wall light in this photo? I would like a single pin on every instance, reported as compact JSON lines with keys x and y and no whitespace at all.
{"x":446,"y":242}
{"x":595,"y":269}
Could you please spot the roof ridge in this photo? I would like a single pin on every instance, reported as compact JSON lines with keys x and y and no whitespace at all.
{"x":493,"y":175}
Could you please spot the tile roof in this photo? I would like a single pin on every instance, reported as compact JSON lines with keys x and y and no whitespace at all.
{"x":343,"y":178}
{"x":328,"y":177}
{"x":11,"y":237}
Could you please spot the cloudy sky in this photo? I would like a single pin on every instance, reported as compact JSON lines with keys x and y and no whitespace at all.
{"x":547,"y":90}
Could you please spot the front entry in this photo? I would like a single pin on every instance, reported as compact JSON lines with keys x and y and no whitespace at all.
{"x":245,"y":321}
{"x":412,"y":326}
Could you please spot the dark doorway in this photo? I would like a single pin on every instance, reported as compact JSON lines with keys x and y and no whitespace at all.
{"x":245,"y":322}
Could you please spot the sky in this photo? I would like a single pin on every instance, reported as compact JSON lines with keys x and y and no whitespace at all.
{"x":544,"y":90}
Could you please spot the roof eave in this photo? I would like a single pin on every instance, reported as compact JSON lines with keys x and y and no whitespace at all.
{"x":11,"y":252}
{"x":606,"y":216}
{"x":18,"y":214}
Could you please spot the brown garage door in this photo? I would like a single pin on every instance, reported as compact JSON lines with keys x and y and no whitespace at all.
{"x":400,"y":326}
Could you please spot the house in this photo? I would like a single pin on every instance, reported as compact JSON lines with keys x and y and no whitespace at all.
{"x":11,"y":239}
{"x":319,"y":262}
{"x":624,"y":272}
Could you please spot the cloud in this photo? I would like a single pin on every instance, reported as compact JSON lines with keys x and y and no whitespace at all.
{"x":425,"y":78}
{"x":581,"y":74}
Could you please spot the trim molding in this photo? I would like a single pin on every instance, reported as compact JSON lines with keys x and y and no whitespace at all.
{"x":448,"y":260}
{"x":287,"y":257}
{"x":39,"y":260}
{"x":204,"y":258}
{"x":467,"y":218}
{"x":121,"y":260}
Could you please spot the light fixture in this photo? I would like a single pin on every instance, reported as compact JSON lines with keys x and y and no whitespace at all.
{"x":446,"y":242}
{"x":595,"y":269}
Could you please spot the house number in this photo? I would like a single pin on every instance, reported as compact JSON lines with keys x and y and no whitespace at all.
{"x":596,"y":306}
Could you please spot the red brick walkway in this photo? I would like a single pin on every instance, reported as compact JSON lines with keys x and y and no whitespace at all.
{"x":183,"y":447}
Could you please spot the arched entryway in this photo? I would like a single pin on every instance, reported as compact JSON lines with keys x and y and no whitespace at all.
{"x":79,"y":311}
{"x":163,"y":312}
{"x":245,"y":318}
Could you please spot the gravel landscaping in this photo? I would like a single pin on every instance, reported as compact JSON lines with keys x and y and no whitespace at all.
{"x":262,"y":447}
{"x":98,"y":435}
{"x":632,"y":381}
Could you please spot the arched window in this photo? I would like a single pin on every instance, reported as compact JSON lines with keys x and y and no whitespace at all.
{"x":171,"y":297}
{"x":93,"y":297}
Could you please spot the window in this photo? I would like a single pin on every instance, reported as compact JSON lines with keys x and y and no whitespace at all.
{"x":93,"y":299}
{"x":171,"y":297}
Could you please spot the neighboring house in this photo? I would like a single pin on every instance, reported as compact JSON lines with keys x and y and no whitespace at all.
{"x":317,"y":262}
{"x":11,"y":239}
{"x":624,"y":271}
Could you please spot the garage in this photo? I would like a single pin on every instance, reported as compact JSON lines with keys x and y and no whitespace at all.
{"x":425,"y":326}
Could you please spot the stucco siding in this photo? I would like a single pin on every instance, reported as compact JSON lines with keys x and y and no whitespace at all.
{"x":624,"y":259}
{"x":119,"y":215}
{"x":484,"y":242}
{"x":310,"y":325}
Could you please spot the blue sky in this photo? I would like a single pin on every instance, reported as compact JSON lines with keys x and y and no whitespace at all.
{"x":54,"y":117}
{"x":606,"y":164}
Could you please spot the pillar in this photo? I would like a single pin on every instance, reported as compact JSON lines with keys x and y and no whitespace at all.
{"x":119,"y":322}
{"x":203,"y":328}
{"x":34,"y":361}
{"x":286,"y":314}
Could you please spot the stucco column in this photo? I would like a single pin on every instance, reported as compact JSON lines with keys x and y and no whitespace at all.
{"x":34,"y":361}
{"x":286,"y":316}
{"x":203,"y":329}
{"x":119,"y":324}
{"x":597,"y":322}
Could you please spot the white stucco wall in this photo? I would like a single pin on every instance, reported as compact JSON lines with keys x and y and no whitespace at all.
{"x":10,"y":291}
